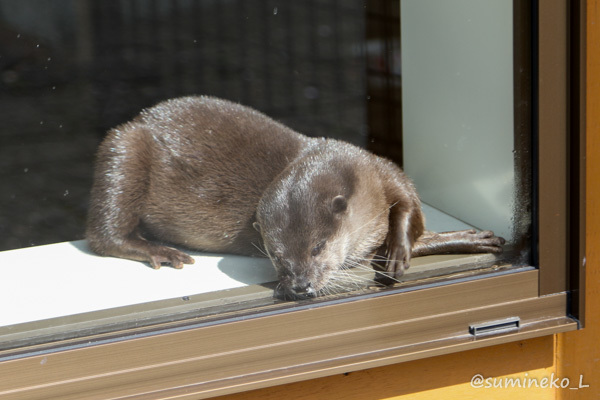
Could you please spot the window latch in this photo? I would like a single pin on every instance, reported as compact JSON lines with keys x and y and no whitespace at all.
{"x":497,"y":326}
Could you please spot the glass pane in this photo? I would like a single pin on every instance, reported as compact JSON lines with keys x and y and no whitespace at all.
{"x":428,"y":84}
{"x":457,"y":70}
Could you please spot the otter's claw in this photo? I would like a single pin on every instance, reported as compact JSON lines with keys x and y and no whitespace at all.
{"x":167,"y":255}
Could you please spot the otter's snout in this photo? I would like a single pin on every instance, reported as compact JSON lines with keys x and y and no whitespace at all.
{"x":295,"y":289}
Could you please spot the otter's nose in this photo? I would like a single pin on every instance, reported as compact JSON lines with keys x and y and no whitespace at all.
{"x":303,"y":288}
{"x":295,"y":292}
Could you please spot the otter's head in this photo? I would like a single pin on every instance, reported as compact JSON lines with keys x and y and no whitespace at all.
{"x":312,"y":223}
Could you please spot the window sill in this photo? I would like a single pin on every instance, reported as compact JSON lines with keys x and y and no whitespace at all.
{"x":273,"y":348}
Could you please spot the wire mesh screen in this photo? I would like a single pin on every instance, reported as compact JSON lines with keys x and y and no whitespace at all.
{"x":300,"y":62}
{"x":70,"y":70}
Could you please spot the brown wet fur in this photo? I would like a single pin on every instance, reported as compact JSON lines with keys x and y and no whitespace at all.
{"x":207,"y":174}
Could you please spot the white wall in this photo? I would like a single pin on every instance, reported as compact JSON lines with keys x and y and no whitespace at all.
{"x":457,"y":81}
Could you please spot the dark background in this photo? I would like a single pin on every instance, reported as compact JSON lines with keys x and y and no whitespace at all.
{"x":70,"y":70}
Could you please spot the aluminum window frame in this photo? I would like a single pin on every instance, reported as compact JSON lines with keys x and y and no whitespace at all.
{"x":192,"y":361}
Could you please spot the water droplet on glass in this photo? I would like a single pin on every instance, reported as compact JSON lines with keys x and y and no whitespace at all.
{"x":18,"y":35}
{"x":275,"y":11}
{"x":66,"y":193}
{"x":311,"y":92}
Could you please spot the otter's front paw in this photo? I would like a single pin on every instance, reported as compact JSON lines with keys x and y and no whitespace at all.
{"x":398,"y":260}
{"x":167,"y":255}
{"x":395,"y":265}
{"x":397,"y":254}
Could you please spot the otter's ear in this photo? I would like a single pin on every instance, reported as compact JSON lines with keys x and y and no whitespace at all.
{"x":339,"y":204}
{"x":256,"y":226}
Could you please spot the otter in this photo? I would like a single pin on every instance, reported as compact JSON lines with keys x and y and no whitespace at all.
{"x":208,"y":174}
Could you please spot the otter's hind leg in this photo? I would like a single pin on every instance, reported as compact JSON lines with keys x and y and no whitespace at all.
{"x":467,"y":241}
{"x":457,"y":242}
{"x":117,"y":200}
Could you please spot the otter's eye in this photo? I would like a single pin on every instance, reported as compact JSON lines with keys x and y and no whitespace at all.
{"x":317,"y":249}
